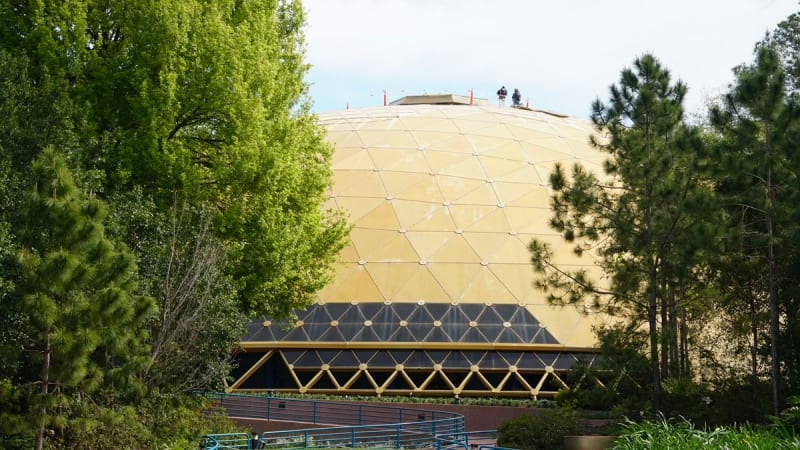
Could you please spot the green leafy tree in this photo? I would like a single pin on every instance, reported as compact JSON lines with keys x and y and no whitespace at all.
{"x":76,"y":289}
{"x":190,"y":103}
{"x":640,"y":219}
{"x":203,"y":100}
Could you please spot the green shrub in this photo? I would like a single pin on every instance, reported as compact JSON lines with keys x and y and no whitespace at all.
{"x":545,"y":430}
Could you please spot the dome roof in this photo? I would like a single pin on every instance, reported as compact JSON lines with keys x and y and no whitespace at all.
{"x":444,"y":200}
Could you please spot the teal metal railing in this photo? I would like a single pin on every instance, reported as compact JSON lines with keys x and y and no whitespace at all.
{"x":480,"y":440}
{"x":339,"y":424}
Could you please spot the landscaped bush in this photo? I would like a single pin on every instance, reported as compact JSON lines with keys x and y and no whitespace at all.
{"x":669,"y":435}
{"x":545,"y":430}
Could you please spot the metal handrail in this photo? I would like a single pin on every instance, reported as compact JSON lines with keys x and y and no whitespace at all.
{"x":462,"y":440}
{"x":348,"y":424}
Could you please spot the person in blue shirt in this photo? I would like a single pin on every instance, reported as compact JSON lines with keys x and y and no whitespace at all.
{"x":516,"y":98}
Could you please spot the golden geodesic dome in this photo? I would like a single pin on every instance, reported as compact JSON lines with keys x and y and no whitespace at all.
{"x":444,"y":200}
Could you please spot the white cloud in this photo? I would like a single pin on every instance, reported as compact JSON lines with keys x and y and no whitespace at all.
{"x":562,"y":54}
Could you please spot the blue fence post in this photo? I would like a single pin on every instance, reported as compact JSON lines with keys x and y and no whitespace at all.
{"x":269,"y":407}
{"x":305,"y":438}
{"x":314,"y":415}
{"x":397,"y":444}
{"x":353,"y":437}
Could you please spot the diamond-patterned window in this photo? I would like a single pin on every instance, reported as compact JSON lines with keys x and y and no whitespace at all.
{"x":472,"y":335}
{"x":456,"y":360}
{"x":506,"y":312}
{"x":364,"y":356}
{"x":382,"y":358}
{"x":315,"y":314}
{"x":404,"y":310}
{"x":336,"y":310}
{"x":418,"y":360}
{"x":530,"y":361}
{"x":508,"y":336}
{"x":403,"y":334}
{"x":308,"y":360}
{"x":491,"y":331}
{"x":437,"y":310}
{"x":293,"y":355}
{"x":471,"y":310}
{"x":346,"y":358}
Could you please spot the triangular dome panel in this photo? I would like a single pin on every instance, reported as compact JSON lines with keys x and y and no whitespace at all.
{"x":468,"y":168}
{"x":458,"y":143}
{"x":438,"y":125}
{"x":349,"y":183}
{"x":454,"y":188}
{"x":422,"y":286}
{"x":455,"y":250}
{"x":370,"y":242}
{"x":357,"y":285}
{"x":345,"y":138}
{"x":527,"y":220}
{"x":397,"y":251}
{"x":382,"y":217}
{"x":495,"y":222}
{"x":482,"y":195}
{"x":392,"y":277}
{"x":487,"y":244}
{"x":498,"y":168}
{"x":428,"y":243}
{"x":410,"y":213}
{"x":486,"y":287}
{"x":412,"y":186}
{"x":439,"y":220}
{"x":399,"y":160}
{"x":387,"y":139}
{"x":357,"y":207}
{"x":454,"y":278}
{"x":439,"y":160}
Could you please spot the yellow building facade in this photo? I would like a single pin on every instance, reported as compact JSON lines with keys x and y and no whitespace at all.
{"x":434,"y":294}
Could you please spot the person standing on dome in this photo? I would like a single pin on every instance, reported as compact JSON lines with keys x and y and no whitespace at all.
{"x":501,"y":96}
{"x":516,"y":98}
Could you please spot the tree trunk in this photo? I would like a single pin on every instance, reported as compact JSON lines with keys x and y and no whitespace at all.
{"x":774,"y":324}
{"x":754,"y":347}
{"x":652,"y":320}
{"x":665,"y":337}
{"x":43,"y":392}
{"x":673,"y":326}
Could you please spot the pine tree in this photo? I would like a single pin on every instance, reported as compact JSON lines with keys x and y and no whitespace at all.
{"x":76,"y":287}
{"x":759,"y":126}
{"x":639,"y":218}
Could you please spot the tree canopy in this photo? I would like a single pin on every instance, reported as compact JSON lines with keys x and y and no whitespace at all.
{"x":186,"y":127}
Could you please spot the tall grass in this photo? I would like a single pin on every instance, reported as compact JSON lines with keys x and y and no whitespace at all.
{"x":681,"y":434}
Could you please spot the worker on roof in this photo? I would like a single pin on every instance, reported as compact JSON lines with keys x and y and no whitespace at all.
{"x":501,"y":96}
{"x":516,"y":98}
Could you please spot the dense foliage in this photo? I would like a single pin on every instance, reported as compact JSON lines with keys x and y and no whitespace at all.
{"x":694,"y":229}
{"x":161,"y":180}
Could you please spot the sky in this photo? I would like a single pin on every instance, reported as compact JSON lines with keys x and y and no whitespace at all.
{"x":560,"y":54}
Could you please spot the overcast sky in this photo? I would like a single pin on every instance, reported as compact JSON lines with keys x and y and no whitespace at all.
{"x":561,"y":54}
